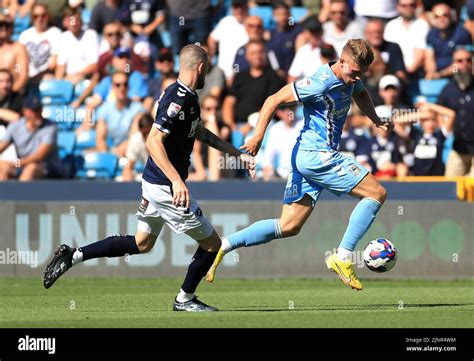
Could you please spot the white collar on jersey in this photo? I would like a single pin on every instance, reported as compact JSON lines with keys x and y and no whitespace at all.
{"x":184,"y":86}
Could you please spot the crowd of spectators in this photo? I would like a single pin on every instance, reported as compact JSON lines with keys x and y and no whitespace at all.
{"x":119,"y":56}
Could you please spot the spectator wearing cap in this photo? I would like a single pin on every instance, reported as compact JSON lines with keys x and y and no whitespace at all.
{"x":14,"y":56}
{"x":117,"y":118}
{"x":339,"y":29}
{"x":113,"y":34}
{"x":308,"y":57}
{"x":442,"y":41}
{"x":10,"y":101}
{"x":389,"y":53}
{"x":164,"y":69}
{"x":458,"y":95}
{"x":250,"y":89}
{"x":42,"y":42}
{"x":107,"y":11}
{"x":254,"y":28}
{"x":229,"y":34}
{"x":279,"y":144}
{"x":410,"y":33}
{"x":136,"y":148}
{"x":79,"y":51}
{"x":121,"y":61}
{"x":283,"y":38}
{"x":189,"y":22}
{"x":35,"y":141}
{"x":144,"y":18}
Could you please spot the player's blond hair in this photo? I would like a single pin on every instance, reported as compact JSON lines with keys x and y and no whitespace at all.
{"x":360,"y":51}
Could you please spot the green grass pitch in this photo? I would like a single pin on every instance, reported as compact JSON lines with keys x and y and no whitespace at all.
{"x":147,"y":302}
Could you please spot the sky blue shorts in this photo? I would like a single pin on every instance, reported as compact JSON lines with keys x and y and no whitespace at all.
{"x":312,"y":171}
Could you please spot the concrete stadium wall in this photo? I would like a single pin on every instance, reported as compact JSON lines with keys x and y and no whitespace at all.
{"x":434,"y":239}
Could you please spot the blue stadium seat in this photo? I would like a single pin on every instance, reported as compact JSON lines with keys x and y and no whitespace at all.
{"x":80,"y":87}
{"x":96,"y":165}
{"x":298,"y":13}
{"x":56,"y":92}
{"x":431,"y":89}
{"x":63,"y":116}
{"x":265,"y":13}
{"x":166,"y":38}
{"x":86,"y":15}
{"x":66,"y":141}
{"x":85,"y":140}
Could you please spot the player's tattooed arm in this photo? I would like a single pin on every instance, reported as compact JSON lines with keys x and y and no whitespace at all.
{"x":212,"y":140}
{"x":366,"y":105}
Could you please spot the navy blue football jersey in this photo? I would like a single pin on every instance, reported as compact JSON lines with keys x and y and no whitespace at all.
{"x":178,"y":115}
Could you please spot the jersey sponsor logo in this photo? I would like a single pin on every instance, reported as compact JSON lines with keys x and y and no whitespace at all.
{"x":173,"y":110}
{"x":324,"y":76}
{"x":181,"y":94}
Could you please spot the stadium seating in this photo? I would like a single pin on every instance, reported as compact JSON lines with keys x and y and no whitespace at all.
{"x":85,"y":140}
{"x":298,"y":13}
{"x":96,"y":165}
{"x":431,"y":89}
{"x":66,"y":143}
{"x":62,"y":115}
{"x":265,"y":13}
{"x":56,"y":92}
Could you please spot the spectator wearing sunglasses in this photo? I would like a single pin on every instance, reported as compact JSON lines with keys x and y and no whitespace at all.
{"x":117,"y":118}
{"x":443,"y":40}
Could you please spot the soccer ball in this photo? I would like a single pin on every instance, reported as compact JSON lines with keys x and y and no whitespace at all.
{"x":380,"y":255}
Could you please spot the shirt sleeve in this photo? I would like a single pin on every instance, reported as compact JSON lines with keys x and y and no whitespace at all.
{"x":309,"y":88}
{"x":93,"y":47}
{"x":168,"y":113}
{"x":49,"y":135}
{"x":103,"y":88}
{"x":8,"y":136}
{"x":359,"y":86}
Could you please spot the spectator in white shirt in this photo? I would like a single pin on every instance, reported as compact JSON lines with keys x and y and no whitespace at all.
{"x":279,"y":144}
{"x":308,"y":57}
{"x":42,"y":43}
{"x":409,"y":32}
{"x":79,"y":53}
{"x":340,"y":28}
{"x":369,"y":9}
{"x":229,"y":34}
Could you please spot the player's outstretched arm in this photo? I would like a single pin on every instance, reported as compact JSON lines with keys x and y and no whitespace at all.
{"x":366,"y":105}
{"x":283,"y":96}
{"x":157,"y":151}
{"x":212,"y":140}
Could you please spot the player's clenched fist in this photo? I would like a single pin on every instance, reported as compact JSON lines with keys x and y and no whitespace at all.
{"x":249,"y":163}
{"x":252,"y":146}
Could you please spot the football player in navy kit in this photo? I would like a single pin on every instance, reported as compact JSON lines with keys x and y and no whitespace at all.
{"x":165,"y":196}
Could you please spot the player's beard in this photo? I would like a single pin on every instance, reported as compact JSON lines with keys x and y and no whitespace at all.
{"x":201,"y":81}
{"x":463,"y":79}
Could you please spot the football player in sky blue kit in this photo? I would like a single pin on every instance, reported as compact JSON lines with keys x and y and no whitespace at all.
{"x":316,"y":164}
{"x":165,"y":197}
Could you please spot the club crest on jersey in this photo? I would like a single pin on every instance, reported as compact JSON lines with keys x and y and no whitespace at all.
{"x":354,"y":170}
{"x":303,"y":83}
{"x":173,"y":110}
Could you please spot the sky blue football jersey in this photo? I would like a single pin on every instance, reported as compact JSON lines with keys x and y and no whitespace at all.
{"x":326,"y":101}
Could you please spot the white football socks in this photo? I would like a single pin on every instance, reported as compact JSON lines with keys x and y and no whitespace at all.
{"x":226,"y":246}
{"x":184,"y":297}
{"x":77,"y":257}
{"x":344,"y":254}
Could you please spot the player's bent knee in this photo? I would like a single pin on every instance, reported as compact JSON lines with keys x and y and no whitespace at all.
{"x":145,"y":244}
{"x":290,"y":229}
{"x":380,"y":194}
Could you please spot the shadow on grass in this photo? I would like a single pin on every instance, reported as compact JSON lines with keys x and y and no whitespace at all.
{"x":368,"y":307}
